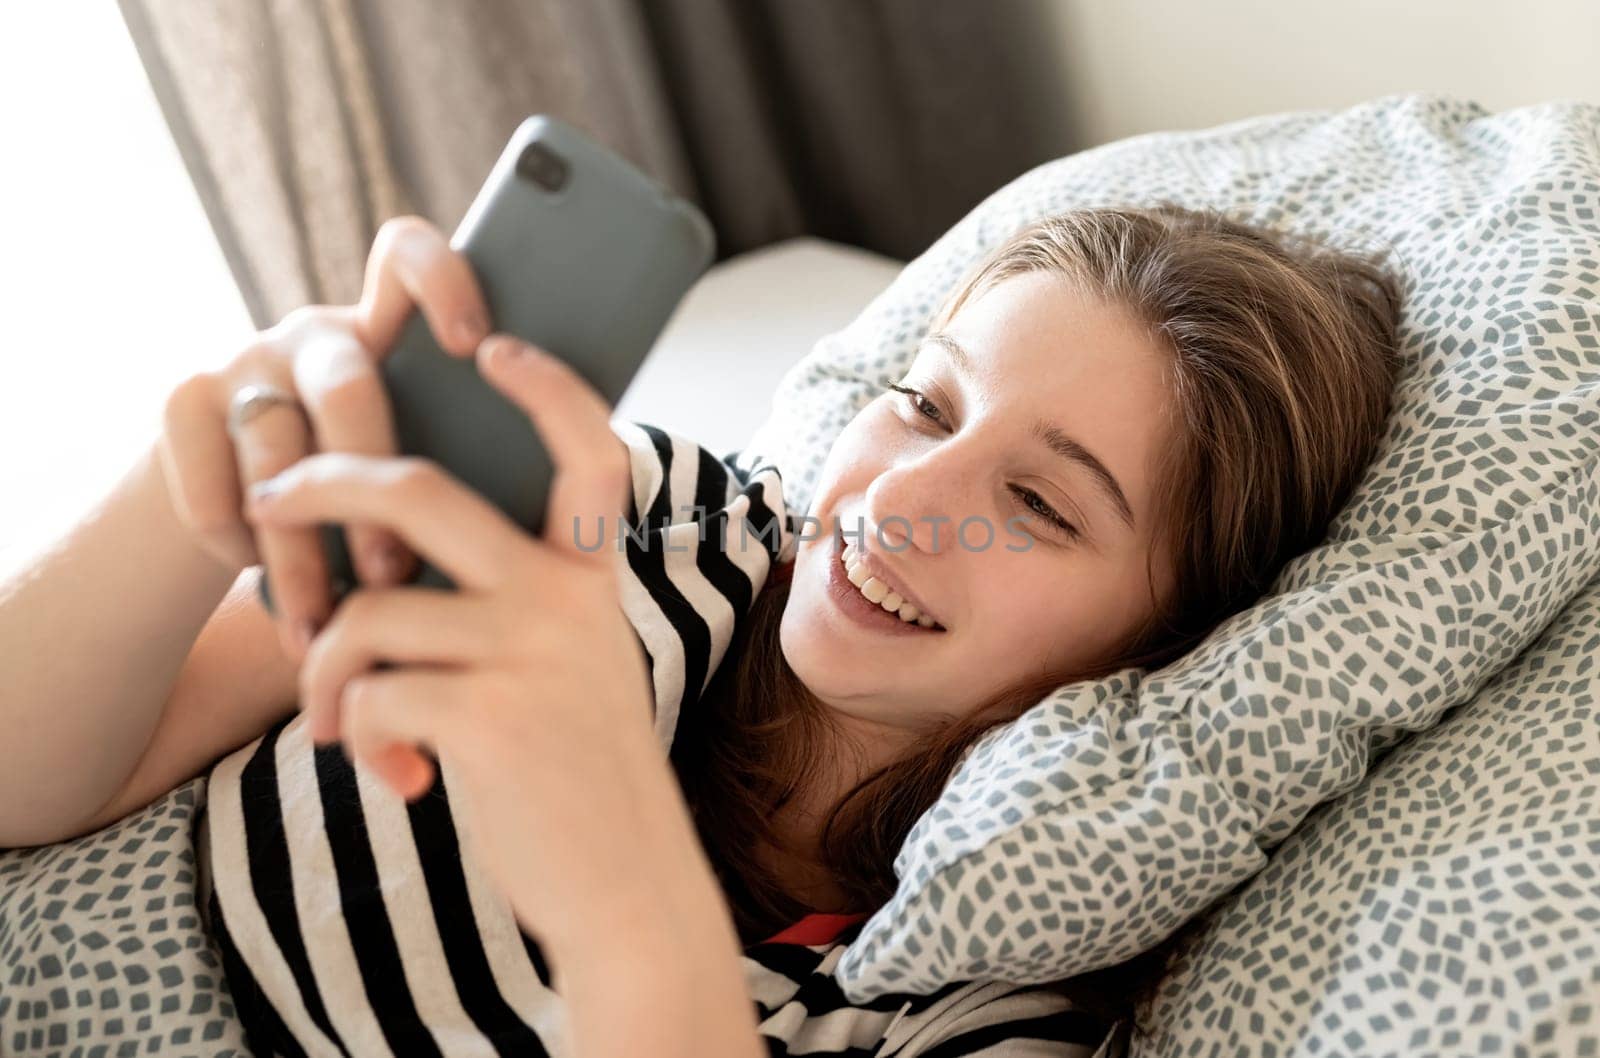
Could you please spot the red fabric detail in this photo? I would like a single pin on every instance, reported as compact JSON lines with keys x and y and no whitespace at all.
{"x":818,"y":928}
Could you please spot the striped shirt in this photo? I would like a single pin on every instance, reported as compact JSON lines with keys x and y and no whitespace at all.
{"x":353,"y":923}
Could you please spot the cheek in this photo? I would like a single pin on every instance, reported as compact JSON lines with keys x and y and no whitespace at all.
{"x":1016,"y":622}
{"x":1065,"y":615}
{"x":857,"y":456}
{"x":1035,"y":614}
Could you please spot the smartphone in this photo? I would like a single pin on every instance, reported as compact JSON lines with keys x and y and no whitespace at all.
{"x":576,"y":251}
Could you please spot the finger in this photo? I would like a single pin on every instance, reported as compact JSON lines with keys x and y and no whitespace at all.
{"x":296,"y":567}
{"x":592,"y":470}
{"x":402,"y":626}
{"x":350,"y":412}
{"x":393,"y":715}
{"x":201,"y":469}
{"x":437,"y":516}
{"x":413,"y":266}
{"x":407,"y":770}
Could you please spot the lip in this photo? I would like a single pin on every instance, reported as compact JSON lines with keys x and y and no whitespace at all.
{"x":857,"y":607}
{"x":875,"y":569}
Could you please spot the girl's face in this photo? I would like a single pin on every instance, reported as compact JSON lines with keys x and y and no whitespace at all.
{"x":957,"y":494}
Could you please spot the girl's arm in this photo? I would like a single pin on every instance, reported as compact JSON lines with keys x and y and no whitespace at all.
{"x":109,"y":699}
{"x":94,"y":633}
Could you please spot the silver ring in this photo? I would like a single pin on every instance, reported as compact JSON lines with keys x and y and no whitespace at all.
{"x":251,"y":400}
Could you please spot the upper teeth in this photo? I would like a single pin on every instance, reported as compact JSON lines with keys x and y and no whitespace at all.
{"x":878,"y":592}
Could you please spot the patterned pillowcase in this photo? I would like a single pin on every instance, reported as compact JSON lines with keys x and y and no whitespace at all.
{"x":102,"y":948}
{"x":1113,"y":811}
{"x":1449,"y":905}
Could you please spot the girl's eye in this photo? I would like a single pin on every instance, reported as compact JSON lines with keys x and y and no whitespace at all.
{"x":1032,"y":502}
{"x":920,"y":402}
{"x":1027,"y":499}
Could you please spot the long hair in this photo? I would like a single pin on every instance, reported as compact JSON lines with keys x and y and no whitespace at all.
{"x":1282,"y":365}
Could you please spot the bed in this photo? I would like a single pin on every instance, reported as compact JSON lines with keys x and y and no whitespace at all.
{"x":1447,"y":903}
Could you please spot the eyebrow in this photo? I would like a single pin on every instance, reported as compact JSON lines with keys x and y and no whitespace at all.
{"x":1051,"y":436}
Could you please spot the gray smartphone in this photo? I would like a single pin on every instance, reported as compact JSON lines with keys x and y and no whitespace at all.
{"x":576,"y":251}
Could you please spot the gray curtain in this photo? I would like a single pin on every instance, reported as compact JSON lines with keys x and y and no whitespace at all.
{"x":306,"y":123}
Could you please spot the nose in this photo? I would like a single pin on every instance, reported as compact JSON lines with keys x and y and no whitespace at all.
{"x":918,"y":502}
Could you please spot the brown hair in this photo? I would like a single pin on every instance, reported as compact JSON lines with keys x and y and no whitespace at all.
{"x":1281,"y":373}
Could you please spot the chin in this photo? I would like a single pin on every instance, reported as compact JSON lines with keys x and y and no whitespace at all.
{"x":824,"y":658}
{"x":808,"y":646}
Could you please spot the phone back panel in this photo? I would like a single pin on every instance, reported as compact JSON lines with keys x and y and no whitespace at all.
{"x":590,"y":272}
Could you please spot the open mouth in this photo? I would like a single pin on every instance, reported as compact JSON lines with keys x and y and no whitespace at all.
{"x":862,"y":609}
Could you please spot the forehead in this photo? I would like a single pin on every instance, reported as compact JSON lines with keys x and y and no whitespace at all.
{"x":1038,"y":349}
{"x":1037,"y":329}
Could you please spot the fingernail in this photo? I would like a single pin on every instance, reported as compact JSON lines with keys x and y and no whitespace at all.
{"x":385,"y":560}
{"x":504,"y":349}
{"x":516,"y":349}
{"x":262,"y":491}
{"x":472,"y":328}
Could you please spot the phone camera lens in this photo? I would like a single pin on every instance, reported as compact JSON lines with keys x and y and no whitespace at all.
{"x":543,"y":166}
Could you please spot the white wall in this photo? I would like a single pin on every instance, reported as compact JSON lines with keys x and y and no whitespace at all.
{"x":1132,"y":66}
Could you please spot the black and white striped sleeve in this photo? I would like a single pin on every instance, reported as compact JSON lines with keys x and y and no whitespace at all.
{"x":703,"y":533}
{"x":999,"y":1020}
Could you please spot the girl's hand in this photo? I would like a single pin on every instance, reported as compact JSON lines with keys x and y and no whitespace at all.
{"x":328,"y":357}
{"x":528,"y":681}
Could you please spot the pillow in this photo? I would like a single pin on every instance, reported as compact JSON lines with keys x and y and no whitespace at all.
{"x":102,"y":948}
{"x":1114,"y":810}
{"x":1449,"y":905}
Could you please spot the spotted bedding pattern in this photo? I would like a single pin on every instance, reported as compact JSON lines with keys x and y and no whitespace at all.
{"x":1449,"y":905}
{"x":1116,"y":810}
{"x":102,"y":949}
